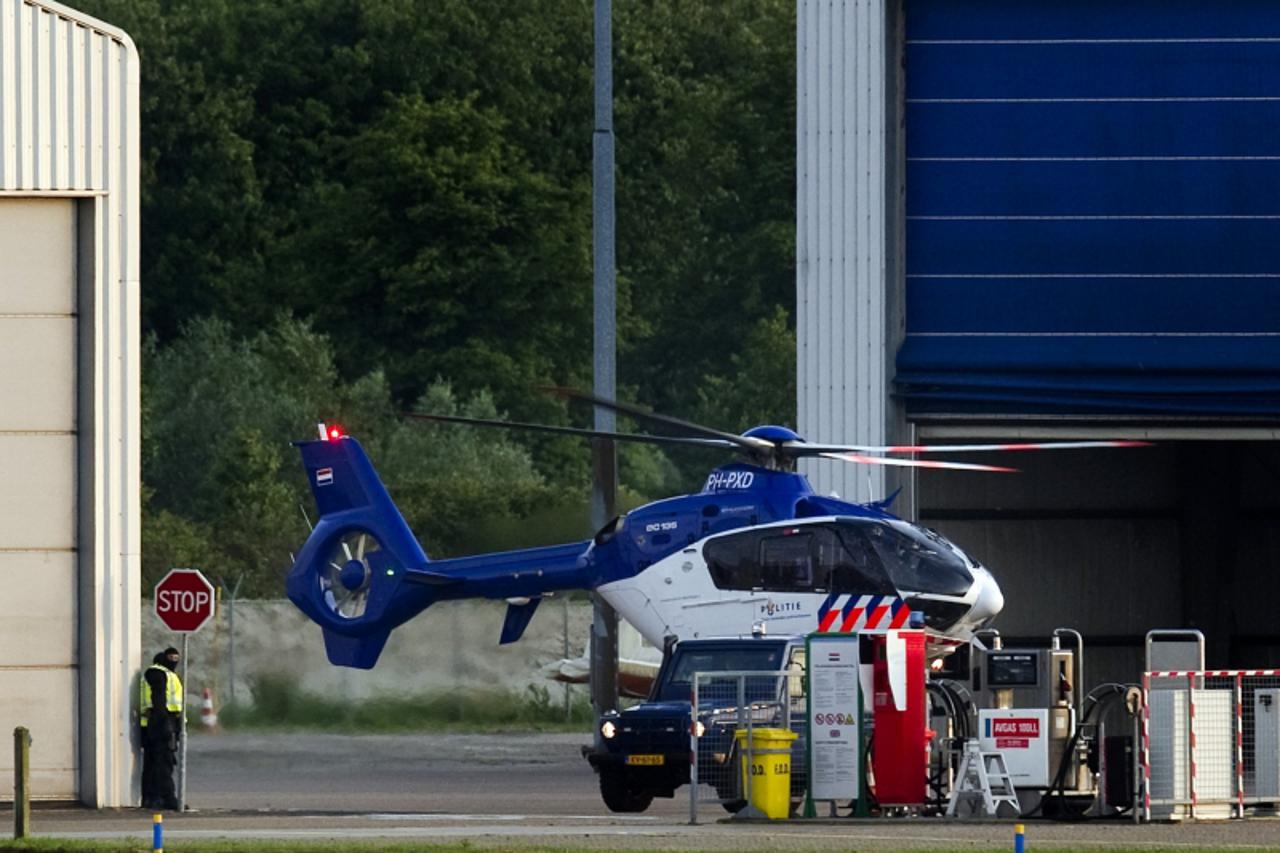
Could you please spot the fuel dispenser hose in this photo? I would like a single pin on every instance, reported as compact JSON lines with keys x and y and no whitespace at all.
{"x":954,"y":706}
{"x":1109,"y":693}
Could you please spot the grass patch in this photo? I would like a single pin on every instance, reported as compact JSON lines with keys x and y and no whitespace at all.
{"x":278,"y":702}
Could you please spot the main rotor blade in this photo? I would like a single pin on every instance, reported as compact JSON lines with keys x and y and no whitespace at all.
{"x":563,"y":430}
{"x":795,"y":448}
{"x":916,"y":463}
{"x":750,"y":444}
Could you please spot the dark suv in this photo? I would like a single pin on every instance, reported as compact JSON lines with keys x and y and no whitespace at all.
{"x":644,"y":752}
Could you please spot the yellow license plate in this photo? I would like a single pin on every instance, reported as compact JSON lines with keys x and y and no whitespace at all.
{"x":644,"y":759}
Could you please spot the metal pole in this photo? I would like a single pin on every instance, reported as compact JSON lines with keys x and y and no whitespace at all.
{"x":231,"y":649}
{"x":1137,"y":767}
{"x":21,"y":782}
{"x":604,"y":634}
{"x":564,"y":613}
{"x":750,"y":741}
{"x":231,"y":627}
{"x":182,"y":747}
{"x":693,"y":753}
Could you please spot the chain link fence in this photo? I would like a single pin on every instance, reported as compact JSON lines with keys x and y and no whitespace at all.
{"x":725,"y":703}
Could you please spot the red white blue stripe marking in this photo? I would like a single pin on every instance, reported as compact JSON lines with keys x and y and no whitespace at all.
{"x":862,"y":613}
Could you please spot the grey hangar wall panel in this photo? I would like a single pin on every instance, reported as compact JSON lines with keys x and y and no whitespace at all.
{"x":1092,"y":208}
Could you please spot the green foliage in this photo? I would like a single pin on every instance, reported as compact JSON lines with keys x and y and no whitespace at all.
{"x":414,"y":177}
{"x":227,"y":494}
{"x":411,"y":181}
{"x":706,"y":194}
{"x":756,"y":385}
{"x":278,"y":702}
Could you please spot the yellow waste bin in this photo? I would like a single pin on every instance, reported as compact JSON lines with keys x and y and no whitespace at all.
{"x":767,"y":775}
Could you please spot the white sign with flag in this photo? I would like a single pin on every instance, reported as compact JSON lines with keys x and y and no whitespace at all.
{"x":834,"y":717}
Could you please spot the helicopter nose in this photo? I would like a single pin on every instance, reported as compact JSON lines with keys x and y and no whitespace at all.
{"x":990,"y":600}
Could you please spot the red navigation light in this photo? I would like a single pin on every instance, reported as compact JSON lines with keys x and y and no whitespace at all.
{"x":335,"y":433}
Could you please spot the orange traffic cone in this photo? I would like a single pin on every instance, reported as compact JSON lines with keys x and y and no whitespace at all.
{"x":208,"y":716}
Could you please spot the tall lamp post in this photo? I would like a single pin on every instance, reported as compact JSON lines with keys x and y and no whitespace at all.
{"x":604,"y":630}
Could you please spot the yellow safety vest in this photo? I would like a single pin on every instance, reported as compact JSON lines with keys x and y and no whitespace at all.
{"x":172,"y":692}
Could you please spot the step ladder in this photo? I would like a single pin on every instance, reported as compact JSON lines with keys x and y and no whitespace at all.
{"x":983,"y":784}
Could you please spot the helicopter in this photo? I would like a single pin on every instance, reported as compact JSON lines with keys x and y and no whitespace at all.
{"x":755,"y":545}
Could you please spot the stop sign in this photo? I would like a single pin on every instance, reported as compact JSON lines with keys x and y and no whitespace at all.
{"x":184,"y":600}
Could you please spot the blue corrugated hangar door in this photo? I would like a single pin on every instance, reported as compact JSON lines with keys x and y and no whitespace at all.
{"x":1093,"y":207}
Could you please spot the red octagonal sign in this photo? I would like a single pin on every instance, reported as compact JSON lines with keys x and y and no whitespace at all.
{"x":184,"y":600}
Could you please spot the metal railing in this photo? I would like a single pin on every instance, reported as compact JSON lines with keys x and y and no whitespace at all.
{"x":722,"y":704}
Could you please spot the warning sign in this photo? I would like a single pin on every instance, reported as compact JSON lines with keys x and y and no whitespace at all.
{"x":1016,"y":733}
{"x":1022,"y":735}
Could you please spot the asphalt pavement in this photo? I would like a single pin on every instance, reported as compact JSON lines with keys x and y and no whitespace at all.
{"x":519,"y":789}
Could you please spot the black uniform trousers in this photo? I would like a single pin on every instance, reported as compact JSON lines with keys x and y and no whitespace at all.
{"x":159,"y":759}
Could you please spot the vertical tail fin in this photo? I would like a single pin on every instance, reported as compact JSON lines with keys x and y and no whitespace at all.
{"x":350,"y":575}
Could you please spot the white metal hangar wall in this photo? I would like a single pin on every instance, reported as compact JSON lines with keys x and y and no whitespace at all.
{"x":848,"y":244}
{"x":1078,"y":236}
{"x":69,"y":382}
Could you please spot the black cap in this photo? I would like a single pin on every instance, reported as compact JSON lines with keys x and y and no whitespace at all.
{"x":171,"y":651}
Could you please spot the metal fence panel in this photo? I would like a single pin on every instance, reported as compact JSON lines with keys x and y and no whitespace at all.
{"x":1211,"y":742}
{"x":725,"y":703}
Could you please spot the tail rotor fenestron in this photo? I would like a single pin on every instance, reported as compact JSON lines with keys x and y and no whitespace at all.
{"x":347,"y":575}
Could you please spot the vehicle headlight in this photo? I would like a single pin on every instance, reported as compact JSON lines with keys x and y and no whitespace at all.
{"x":699,"y":729}
{"x":608,"y":729}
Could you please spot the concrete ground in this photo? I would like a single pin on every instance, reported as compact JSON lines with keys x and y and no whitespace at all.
{"x":516,"y":789}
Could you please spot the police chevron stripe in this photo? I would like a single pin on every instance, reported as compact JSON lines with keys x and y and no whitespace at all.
{"x":875,"y":613}
{"x":862,"y":612}
{"x":852,"y":613}
{"x":901,"y":613}
{"x":827,"y":612}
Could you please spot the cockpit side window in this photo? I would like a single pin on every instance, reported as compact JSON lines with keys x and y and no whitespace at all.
{"x":732,"y":561}
{"x":786,"y":562}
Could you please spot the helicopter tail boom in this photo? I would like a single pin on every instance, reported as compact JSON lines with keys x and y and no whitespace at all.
{"x":362,"y":572}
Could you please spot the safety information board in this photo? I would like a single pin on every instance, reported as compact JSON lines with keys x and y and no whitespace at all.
{"x":834,"y":711}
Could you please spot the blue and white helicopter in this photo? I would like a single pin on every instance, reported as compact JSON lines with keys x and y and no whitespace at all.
{"x":756,"y":545}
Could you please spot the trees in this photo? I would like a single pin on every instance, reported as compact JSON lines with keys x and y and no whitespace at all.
{"x":412,"y":181}
{"x":224,"y":488}
{"x":706,"y":127}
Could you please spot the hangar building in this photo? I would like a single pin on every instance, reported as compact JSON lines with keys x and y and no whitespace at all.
{"x":69,"y":449}
{"x":1042,"y":220}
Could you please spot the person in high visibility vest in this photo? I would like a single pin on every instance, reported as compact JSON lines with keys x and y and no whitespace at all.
{"x":160,"y":713}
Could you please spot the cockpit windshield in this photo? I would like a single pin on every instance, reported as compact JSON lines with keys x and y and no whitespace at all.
{"x":919,"y":559}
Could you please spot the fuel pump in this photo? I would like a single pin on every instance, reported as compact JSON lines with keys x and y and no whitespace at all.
{"x":1028,"y":707}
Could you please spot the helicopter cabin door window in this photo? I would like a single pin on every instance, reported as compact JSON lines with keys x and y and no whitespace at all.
{"x":786,"y":562}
